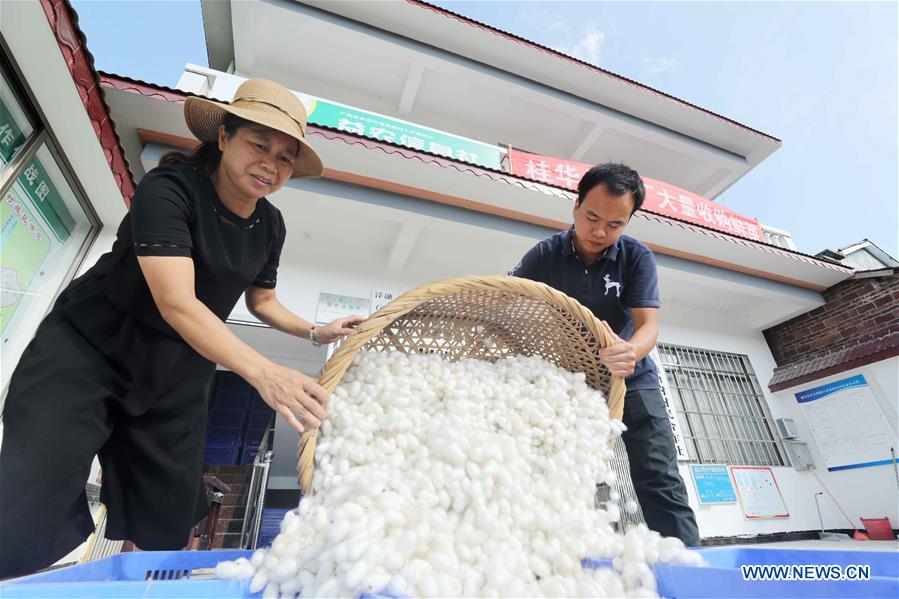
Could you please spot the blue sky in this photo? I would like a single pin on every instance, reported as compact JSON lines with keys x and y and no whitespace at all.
{"x":822,"y":77}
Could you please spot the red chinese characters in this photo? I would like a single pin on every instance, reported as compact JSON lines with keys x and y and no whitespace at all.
{"x":661,"y":198}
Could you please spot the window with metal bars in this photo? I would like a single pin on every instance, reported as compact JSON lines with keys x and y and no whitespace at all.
{"x":721,"y":407}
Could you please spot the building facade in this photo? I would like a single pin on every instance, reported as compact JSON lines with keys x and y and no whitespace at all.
{"x":417,"y":113}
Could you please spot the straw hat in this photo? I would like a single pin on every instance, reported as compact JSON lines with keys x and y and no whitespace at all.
{"x":260,"y":101}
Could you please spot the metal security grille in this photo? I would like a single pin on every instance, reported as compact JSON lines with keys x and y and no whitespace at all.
{"x":721,"y":407}
{"x":625,"y":487}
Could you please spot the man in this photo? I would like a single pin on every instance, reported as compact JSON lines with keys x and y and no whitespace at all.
{"x":615,"y":277}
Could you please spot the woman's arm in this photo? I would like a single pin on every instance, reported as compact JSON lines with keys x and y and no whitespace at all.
{"x":264,"y":305}
{"x":290,"y":393}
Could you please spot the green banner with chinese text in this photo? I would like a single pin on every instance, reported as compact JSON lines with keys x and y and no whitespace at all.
{"x":417,"y":137}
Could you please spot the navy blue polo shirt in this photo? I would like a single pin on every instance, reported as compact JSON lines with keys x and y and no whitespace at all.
{"x":624,"y":277}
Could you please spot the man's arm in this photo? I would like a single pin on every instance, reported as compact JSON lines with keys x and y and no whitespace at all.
{"x":529,"y":265}
{"x":622,"y":356}
{"x":646,"y":330}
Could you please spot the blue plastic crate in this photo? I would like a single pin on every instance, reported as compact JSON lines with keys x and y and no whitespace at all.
{"x":260,"y":419}
{"x":138,"y":574}
{"x":220,"y":454}
{"x":257,"y":404}
{"x":253,"y":438}
{"x":275,"y":513}
{"x":266,"y":538}
{"x":267,"y":534}
{"x":229,"y":380}
{"x":223,"y":435}
{"x":172,"y":574}
{"x":247,"y":455}
{"x":724,"y":577}
{"x":229,"y":418}
{"x":230,"y":399}
{"x":151,"y":574}
{"x":270,"y":525}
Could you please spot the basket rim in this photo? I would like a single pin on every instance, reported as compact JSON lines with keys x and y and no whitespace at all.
{"x":402,"y":305}
{"x":342,"y":358}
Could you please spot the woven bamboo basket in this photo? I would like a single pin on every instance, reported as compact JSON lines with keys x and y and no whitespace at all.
{"x":486,"y":318}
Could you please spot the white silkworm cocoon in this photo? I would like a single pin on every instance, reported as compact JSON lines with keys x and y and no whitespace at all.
{"x":227,"y":570}
{"x":259,"y":581}
{"x":460,"y":479}
{"x":614,"y":512}
{"x":270,"y":591}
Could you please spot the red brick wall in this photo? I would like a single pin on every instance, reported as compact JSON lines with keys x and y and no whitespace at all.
{"x":857,"y":310}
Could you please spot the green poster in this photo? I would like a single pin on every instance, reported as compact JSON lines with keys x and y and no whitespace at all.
{"x":11,"y":136}
{"x":24,"y":246}
{"x":42,"y":192}
{"x":417,"y":137}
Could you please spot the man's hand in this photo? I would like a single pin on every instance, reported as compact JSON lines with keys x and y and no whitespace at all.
{"x":621,"y":357}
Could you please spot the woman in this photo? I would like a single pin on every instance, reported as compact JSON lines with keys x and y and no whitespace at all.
{"x":119,"y":366}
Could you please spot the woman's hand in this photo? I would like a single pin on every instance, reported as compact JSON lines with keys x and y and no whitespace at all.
{"x":297,"y":397}
{"x":338,"y":329}
{"x":620,"y":357}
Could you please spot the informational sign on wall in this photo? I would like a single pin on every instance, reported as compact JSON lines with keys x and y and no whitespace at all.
{"x":332,"y":306}
{"x":667,"y":394}
{"x":661,"y":198}
{"x":414,"y":136}
{"x":11,"y":135}
{"x":758,"y":493}
{"x":380,"y":298}
{"x":36,"y":226}
{"x":713,"y":484}
{"x":847,"y":423}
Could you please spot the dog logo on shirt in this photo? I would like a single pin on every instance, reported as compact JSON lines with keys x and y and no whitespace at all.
{"x":610,"y":284}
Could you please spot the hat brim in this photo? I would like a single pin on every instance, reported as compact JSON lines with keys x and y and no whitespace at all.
{"x":204,"y":117}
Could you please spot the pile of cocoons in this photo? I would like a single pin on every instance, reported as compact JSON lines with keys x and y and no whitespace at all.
{"x":459,"y":479}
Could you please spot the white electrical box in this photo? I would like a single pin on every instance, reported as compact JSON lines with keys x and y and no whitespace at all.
{"x":786,"y":427}
{"x":800,"y":456}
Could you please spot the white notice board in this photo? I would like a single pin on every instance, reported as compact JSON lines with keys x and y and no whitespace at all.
{"x":332,"y":306}
{"x":758,"y":493}
{"x":680,"y":445}
{"x":847,"y":423}
{"x":380,"y":298}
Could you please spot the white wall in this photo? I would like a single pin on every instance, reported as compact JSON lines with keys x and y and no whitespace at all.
{"x":866,"y":492}
{"x":299,"y":284}
{"x":871,"y":492}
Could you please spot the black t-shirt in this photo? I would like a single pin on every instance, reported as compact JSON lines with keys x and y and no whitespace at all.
{"x":176,"y":211}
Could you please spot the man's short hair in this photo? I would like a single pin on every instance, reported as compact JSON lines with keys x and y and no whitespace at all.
{"x":618,"y":180}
